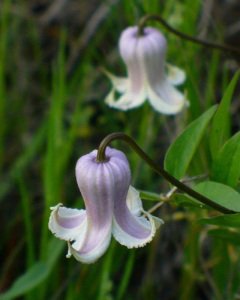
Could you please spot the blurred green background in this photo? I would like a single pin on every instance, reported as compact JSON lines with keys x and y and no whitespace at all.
{"x":52,"y":112}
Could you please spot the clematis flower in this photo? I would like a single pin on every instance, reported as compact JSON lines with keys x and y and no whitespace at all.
{"x":112,"y":207}
{"x":149,"y":76}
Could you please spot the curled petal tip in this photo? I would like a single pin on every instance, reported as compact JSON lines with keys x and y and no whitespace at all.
{"x":175,"y":75}
{"x":119,"y":83}
{"x":56,"y":206}
{"x":130,"y":241}
{"x":166,"y":99}
{"x":131,"y":228}
{"x":69,"y":254}
{"x":66,"y":223}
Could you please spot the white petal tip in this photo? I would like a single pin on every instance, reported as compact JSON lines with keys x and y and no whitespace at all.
{"x":119,"y":83}
{"x":130,"y":241}
{"x":167,"y":99}
{"x":175,"y":75}
{"x":56,"y":206}
{"x":66,"y":223}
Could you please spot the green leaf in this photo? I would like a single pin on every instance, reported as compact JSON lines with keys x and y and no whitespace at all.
{"x":224,"y":221}
{"x":126,"y":275}
{"x":226,"y":235}
{"x":186,"y":201}
{"x":36,"y":274}
{"x":226,"y":166}
{"x":54,"y":250}
{"x":221,"y":194}
{"x":146,"y":195}
{"x":221,"y":121}
{"x":180,"y":153}
{"x":33,"y":277}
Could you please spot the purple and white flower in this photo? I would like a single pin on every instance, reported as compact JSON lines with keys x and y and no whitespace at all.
{"x":149,"y":76}
{"x":112,"y":207}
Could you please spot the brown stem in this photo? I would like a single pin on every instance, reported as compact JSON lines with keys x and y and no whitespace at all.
{"x":182,"y":35}
{"x":181,"y":186}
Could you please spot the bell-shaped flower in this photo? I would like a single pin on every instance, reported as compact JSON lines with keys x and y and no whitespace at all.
{"x":112,"y":207}
{"x":149,"y":76}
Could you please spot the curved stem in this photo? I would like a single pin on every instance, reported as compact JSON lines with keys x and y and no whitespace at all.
{"x":181,"y":186}
{"x":182,"y":35}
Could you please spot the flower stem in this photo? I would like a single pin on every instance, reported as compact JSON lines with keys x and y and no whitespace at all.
{"x":182,"y":35}
{"x":180,"y":185}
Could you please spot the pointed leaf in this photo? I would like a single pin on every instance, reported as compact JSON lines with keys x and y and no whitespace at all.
{"x":34,"y":276}
{"x":226,"y":166}
{"x":180,"y":153}
{"x":224,"y":221}
{"x":146,"y":195}
{"x":186,"y":201}
{"x":221,"y":194}
{"x":221,"y":121}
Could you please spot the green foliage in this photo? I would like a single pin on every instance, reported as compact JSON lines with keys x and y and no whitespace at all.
{"x":225,"y":235}
{"x":33,"y":277}
{"x":223,"y":221}
{"x":181,"y":152}
{"x":221,"y":194}
{"x":225,"y":166}
{"x":221,"y":122}
{"x":35,"y":274}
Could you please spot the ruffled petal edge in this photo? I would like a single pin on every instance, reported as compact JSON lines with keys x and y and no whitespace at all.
{"x":129,"y":241}
{"x":145,"y":220}
{"x":66,"y":223}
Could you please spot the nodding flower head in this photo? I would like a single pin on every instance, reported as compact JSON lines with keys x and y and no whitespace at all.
{"x":112,"y":207}
{"x":144,"y":56}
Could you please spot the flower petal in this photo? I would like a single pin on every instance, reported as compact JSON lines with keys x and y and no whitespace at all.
{"x":151,"y":52}
{"x":129,"y":229}
{"x":66,"y":223}
{"x":91,"y":254}
{"x":133,"y":93}
{"x":134,"y":202}
{"x":161,"y":94}
{"x":100,"y":183}
{"x":128,"y":44}
{"x":110,"y":98}
{"x":119,"y":83}
{"x":175,"y":75}
{"x":127,"y":101}
{"x":166,"y":99}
